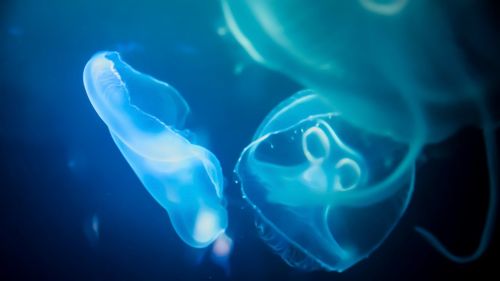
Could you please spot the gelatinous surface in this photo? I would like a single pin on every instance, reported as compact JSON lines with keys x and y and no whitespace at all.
{"x":297,"y":173}
{"x":146,"y":118}
{"x":412,"y":70}
{"x":376,"y":59}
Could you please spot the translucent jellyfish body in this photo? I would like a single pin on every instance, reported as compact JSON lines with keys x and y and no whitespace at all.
{"x":146,"y":118}
{"x":296,"y":175}
{"x":379,"y":59}
{"x":416,"y":71}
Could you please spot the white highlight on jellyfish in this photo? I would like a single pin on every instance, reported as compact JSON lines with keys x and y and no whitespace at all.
{"x":207,"y":223}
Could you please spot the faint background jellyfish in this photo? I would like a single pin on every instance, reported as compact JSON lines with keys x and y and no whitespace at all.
{"x":377,"y":65}
{"x":146,"y":118}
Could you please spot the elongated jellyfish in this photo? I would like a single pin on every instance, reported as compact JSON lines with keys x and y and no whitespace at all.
{"x":146,"y":118}
{"x":412,"y":72}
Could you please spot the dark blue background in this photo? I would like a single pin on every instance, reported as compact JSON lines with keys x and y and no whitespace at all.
{"x":59,"y":167}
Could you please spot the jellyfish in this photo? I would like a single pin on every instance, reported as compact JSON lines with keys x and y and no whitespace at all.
{"x":410,"y":72}
{"x":146,"y":120}
{"x":303,"y":160}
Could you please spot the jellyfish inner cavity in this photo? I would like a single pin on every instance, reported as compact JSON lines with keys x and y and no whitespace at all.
{"x":328,"y":165}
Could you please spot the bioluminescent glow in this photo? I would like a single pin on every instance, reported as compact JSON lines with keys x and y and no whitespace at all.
{"x":395,"y":70}
{"x":146,"y":118}
{"x":374,"y":66}
{"x":297,"y":173}
{"x":331,"y":170}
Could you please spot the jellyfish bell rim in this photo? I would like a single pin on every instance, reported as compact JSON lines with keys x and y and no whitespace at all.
{"x":198,"y":224}
{"x":112,"y":59}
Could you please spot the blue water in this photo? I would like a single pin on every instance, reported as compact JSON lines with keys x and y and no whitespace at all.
{"x":72,"y":209}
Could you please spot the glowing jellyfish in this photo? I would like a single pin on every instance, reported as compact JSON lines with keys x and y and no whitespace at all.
{"x":375,"y":65}
{"x":297,"y":172}
{"x":146,"y":118}
{"x":402,"y":70}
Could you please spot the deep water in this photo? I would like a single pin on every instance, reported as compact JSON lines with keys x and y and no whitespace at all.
{"x":72,"y":209}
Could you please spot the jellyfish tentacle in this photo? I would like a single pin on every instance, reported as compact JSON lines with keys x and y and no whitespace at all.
{"x":492,"y":162}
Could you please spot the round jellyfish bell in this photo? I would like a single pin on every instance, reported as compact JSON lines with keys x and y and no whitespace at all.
{"x":296,"y":173}
{"x":146,"y":119}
